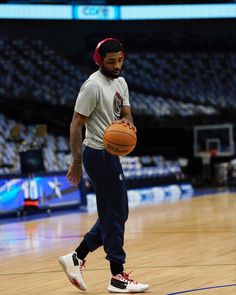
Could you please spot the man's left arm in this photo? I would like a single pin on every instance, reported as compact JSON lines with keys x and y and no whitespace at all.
{"x":126,"y":117}
{"x":126,"y":114}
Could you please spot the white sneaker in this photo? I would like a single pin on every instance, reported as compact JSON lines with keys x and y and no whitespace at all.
{"x":72,"y":266}
{"x":124,"y":284}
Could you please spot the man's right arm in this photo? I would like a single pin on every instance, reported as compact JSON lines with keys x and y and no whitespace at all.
{"x":76,"y":128}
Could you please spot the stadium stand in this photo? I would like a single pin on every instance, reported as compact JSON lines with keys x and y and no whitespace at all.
{"x":161,"y":83}
{"x":56,"y":154}
{"x":31,"y":69}
{"x":198,"y":77}
{"x":55,"y":148}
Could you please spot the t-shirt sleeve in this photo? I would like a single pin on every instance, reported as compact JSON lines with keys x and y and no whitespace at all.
{"x":126,"y":101}
{"x":87,"y":98}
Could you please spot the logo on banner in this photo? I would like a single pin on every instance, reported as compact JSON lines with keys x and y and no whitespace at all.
{"x":96,"y":12}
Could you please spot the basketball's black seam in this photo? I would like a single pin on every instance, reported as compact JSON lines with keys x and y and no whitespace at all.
{"x":125,"y":145}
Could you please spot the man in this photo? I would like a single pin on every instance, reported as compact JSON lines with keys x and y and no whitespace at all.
{"x":103,"y":99}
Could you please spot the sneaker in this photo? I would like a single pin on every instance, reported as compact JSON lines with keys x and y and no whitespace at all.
{"x":122,"y":283}
{"x":72,"y":266}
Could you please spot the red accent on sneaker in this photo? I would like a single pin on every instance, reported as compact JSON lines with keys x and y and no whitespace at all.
{"x":75,"y":283}
{"x":126,"y":276}
{"x":83,"y":264}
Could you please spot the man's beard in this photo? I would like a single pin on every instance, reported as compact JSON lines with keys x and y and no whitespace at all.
{"x":109,"y":74}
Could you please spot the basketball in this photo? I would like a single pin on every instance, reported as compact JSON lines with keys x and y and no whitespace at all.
{"x":119,"y":140}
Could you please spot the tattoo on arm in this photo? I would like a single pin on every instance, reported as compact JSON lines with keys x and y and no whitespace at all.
{"x":76,"y":143}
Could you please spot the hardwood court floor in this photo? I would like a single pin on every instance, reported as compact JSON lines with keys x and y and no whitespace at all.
{"x":175,"y":247}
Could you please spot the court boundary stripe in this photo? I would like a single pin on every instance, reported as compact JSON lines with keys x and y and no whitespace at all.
{"x":133,"y":233}
{"x":201,"y":289}
{"x":105,"y":269}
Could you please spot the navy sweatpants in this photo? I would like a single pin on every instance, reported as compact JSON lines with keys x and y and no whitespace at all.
{"x":108,"y":181}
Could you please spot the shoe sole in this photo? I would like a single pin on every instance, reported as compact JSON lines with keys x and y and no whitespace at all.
{"x":72,"y":280}
{"x":112,"y":289}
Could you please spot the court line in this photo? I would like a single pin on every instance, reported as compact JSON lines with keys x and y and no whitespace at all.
{"x":64,"y":237}
{"x":184,"y":232}
{"x":201,"y":289}
{"x":80,"y":236}
{"x":104,"y":269}
{"x":43,"y":237}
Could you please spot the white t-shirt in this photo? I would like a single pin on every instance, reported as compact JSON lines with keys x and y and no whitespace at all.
{"x":101,"y":100}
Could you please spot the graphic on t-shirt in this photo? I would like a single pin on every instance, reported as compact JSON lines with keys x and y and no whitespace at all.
{"x":117,"y":104}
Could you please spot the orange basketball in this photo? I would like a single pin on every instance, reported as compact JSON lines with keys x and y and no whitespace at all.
{"x":119,"y":140}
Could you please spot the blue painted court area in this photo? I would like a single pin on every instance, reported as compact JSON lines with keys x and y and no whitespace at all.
{"x":202,"y":289}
